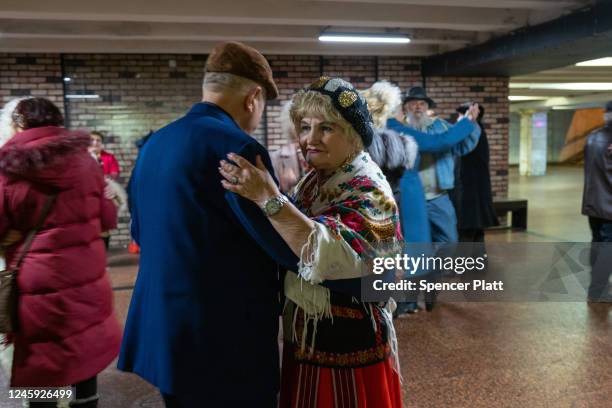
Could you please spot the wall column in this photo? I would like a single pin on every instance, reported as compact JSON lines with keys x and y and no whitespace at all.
{"x":533,"y":145}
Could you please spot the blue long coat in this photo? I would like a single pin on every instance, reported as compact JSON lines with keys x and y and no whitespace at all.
{"x":203,"y":320}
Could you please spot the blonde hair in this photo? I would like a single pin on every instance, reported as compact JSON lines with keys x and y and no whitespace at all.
{"x":383,"y":100}
{"x":7,"y":124}
{"x":313,"y":103}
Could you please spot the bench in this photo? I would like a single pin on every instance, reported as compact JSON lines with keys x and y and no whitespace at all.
{"x":518,"y":208}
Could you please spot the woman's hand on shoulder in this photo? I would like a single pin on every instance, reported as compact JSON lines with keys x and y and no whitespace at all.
{"x":253,"y":182}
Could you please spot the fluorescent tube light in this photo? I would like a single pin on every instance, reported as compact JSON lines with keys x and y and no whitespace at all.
{"x":364,"y":38}
{"x":569,"y":86}
{"x":600,"y":62}
{"x":516,"y":98}
{"x":82,"y":96}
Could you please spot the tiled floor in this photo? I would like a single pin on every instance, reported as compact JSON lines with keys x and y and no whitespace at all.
{"x":473,"y":354}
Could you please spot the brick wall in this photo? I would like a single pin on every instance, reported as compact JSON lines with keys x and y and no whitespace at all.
{"x":404,"y":72}
{"x":290,"y":73}
{"x":31,"y":74}
{"x":138,"y":93}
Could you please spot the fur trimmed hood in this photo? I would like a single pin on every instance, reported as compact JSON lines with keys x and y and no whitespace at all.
{"x":391,"y":151}
{"x":39,"y":154}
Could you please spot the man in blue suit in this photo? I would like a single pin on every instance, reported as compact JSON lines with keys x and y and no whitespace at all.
{"x":203,"y":320}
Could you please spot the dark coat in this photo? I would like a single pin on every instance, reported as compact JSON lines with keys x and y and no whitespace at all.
{"x":67,"y":330}
{"x":597,"y":196}
{"x":472,"y":195}
{"x":203,"y":320}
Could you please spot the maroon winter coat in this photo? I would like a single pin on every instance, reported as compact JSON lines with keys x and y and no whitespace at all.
{"x":67,"y":329}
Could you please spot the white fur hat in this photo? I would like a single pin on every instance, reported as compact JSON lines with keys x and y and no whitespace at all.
{"x":383,"y":99}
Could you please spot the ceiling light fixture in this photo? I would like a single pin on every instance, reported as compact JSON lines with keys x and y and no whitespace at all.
{"x":600,"y":62}
{"x":568,"y":86}
{"x":364,"y":38}
{"x":516,"y":98}
{"x":82,"y":96}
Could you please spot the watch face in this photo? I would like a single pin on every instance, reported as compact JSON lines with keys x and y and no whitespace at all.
{"x":273,"y":206}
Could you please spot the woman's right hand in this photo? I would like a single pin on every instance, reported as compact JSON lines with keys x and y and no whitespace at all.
{"x":252,"y":182}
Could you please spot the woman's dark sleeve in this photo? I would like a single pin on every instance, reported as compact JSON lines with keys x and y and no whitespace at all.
{"x":254,"y":220}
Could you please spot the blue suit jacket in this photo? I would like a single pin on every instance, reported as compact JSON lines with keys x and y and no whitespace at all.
{"x":203,"y":320}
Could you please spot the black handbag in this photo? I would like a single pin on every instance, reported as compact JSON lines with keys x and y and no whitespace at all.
{"x":8,"y":278}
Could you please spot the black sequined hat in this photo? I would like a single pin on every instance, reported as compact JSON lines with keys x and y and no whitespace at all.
{"x":351,"y":105}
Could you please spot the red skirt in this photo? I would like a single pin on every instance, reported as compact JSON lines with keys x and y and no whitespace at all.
{"x":311,"y":386}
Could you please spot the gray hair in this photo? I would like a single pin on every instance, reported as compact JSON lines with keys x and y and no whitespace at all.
{"x":219,"y":82}
{"x":7,"y":125}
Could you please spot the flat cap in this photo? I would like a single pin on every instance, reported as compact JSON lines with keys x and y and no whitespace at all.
{"x":239,"y":59}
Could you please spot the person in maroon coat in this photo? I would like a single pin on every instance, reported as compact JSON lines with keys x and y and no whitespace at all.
{"x":67,"y":332}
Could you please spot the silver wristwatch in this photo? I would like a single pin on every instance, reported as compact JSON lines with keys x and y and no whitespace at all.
{"x":273,"y":205}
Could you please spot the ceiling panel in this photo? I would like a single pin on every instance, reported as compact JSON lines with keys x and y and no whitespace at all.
{"x":282,"y":26}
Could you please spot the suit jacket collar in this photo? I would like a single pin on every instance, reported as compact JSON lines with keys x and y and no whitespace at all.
{"x":210,"y":109}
